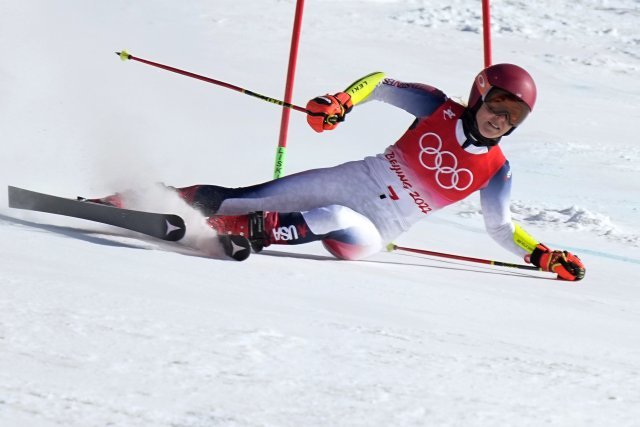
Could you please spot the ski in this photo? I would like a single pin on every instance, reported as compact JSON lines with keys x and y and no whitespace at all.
{"x":167,"y":227}
{"x":236,"y":247}
{"x":161,"y":226}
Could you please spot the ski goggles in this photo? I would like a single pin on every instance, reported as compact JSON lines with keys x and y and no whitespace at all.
{"x":502,"y":103}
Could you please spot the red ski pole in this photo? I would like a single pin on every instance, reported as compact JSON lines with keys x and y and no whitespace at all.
{"x":124,"y":55}
{"x":393,"y":247}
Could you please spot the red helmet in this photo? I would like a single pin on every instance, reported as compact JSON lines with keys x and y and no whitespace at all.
{"x":509,"y":77}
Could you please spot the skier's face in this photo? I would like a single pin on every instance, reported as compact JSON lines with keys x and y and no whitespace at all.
{"x":490,"y":124}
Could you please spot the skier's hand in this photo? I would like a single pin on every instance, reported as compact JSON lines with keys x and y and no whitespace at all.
{"x":565,"y":264}
{"x":326,"y":112}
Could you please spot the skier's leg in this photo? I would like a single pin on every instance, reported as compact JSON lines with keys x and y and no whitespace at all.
{"x":344,"y":232}
{"x":208,"y":198}
{"x":348,"y":184}
{"x":292,"y":193}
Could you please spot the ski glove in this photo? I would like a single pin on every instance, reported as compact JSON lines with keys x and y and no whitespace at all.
{"x":326,"y":112}
{"x":565,"y":264}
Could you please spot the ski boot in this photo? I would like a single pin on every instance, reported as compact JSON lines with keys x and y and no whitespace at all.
{"x":249,"y":226}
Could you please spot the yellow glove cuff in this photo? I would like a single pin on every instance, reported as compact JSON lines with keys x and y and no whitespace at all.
{"x":362,"y":88}
{"x":524,"y":239}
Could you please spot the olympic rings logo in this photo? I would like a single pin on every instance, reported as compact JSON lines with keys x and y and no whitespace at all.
{"x":445,"y":163}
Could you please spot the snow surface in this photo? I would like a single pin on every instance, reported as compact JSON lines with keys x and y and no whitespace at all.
{"x":99,"y":327}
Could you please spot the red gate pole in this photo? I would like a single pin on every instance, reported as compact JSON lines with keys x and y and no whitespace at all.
{"x":281,"y":151}
{"x":486,"y":31}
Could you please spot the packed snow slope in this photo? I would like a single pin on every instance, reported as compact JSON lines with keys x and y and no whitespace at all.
{"x":100,"y":327}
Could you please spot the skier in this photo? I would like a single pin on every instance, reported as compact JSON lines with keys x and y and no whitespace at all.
{"x":449,"y":152}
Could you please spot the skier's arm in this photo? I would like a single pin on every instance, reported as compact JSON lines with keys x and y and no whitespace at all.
{"x":326,"y":112}
{"x":494,"y":199}
{"x":415,"y":98}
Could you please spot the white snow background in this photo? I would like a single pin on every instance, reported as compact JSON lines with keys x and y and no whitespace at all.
{"x":101,"y":327}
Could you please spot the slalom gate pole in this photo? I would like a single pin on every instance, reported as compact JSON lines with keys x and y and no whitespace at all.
{"x":393,"y":247}
{"x":486,"y":31}
{"x":124,"y":55}
{"x":281,"y":151}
